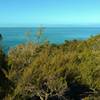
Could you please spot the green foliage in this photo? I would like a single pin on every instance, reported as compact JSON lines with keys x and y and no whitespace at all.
{"x":46,"y":70}
{"x":6,"y":85}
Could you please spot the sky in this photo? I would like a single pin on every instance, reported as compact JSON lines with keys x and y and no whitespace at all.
{"x":49,"y":12}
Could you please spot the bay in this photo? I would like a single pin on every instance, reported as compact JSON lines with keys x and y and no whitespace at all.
{"x":14,"y":35}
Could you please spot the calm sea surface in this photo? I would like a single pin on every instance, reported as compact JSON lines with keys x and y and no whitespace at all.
{"x":15,"y":36}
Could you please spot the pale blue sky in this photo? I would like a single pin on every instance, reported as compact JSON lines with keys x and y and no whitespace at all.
{"x":49,"y":12}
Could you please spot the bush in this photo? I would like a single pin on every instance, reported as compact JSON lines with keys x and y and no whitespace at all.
{"x":49,"y":70}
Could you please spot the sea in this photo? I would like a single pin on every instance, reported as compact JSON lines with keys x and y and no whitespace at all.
{"x":13,"y":36}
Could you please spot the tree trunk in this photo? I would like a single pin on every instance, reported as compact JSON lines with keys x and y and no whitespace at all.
{"x":46,"y":96}
{"x":41,"y":98}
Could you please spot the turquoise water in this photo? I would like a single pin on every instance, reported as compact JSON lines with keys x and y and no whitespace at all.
{"x":15,"y":36}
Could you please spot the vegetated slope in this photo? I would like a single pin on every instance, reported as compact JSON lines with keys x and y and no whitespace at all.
{"x":49,"y":71}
